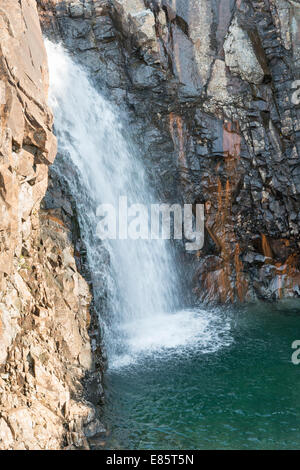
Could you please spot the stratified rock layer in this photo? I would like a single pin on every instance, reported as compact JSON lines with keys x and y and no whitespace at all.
{"x":45,"y":350}
{"x":209,"y":88}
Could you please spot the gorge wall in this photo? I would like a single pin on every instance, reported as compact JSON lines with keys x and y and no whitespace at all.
{"x":207,"y":86}
{"x":45,"y":348}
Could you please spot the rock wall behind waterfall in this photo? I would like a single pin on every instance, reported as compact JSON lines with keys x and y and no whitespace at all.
{"x":45,"y":350}
{"x":208,"y":87}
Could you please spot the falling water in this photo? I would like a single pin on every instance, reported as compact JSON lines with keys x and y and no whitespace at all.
{"x":145,"y":311}
{"x":190,"y":392}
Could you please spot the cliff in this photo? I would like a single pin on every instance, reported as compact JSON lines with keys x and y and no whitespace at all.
{"x":209,"y":89}
{"x":45,"y":348}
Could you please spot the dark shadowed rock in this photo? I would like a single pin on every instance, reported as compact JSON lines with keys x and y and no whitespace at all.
{"x":207,"y":87}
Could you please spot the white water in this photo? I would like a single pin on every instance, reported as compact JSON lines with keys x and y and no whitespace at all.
{"x":144,"y":302}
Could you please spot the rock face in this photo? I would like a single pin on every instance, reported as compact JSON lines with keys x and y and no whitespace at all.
{"x":46,"y":358}
{"x":210,"y":91}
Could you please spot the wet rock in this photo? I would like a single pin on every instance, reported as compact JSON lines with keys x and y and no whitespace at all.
{"x":143,"y":76}
{"x":103,"y":28}
{"x":94,"y":429}
{"x":207,"y":89}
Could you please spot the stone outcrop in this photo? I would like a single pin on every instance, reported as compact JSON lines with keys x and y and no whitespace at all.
{"x":240,"y":55}
{"x":208,"y":87}
{"x":46,"y":360}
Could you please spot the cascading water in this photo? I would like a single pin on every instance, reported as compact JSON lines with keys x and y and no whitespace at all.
{"x":171,"y":383}
{"x":145,"y":300}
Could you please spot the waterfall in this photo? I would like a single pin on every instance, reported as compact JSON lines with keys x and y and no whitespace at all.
{"x":144,"y":307}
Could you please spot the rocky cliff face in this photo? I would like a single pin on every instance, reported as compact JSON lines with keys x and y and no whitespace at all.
{"x":45,"y":348}
{"x":208,"y":87}
{"x":210,"y":91}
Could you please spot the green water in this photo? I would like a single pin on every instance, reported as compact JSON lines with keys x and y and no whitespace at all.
{"x":243,"y":395}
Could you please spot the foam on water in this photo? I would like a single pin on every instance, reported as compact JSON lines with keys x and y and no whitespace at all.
{"x":176,"y":333}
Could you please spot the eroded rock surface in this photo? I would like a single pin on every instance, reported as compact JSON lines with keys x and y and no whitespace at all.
{"x":208,"y":87}
{"x":46,"y":359}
